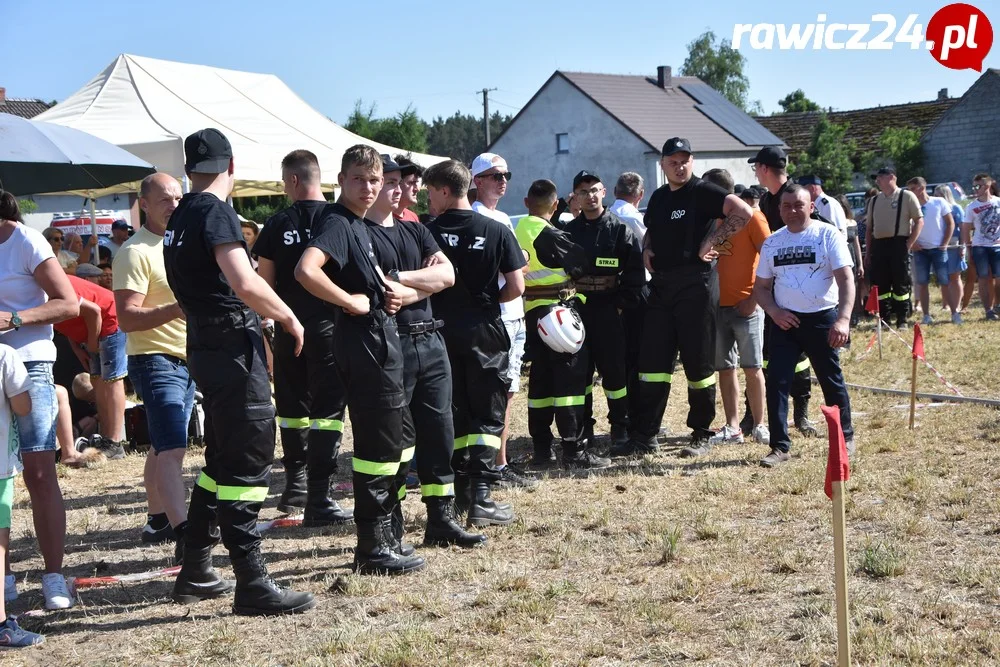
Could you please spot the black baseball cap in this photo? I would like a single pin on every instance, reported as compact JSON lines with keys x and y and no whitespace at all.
{"x":810,"y":180}
{"x":121,"y":224}
{"x":389,"y":165}
{"x":884,"y":171}
{"x":770,"y":156}
{"x":586,"y":177}
{"x":207,"y":152}
{"x":676,"y":145}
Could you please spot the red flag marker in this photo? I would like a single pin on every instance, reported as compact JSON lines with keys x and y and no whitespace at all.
{"x":918,"y":343}
{"x":837,"y":473}
{"x":871,"y":305}
{"x":837,"y":468}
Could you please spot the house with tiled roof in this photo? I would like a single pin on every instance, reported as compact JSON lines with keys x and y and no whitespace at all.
{"x":612,"y":123}
{"x":864,"y":126}
{"x":25,"y":108}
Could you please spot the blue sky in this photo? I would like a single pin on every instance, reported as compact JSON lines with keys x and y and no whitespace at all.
{"x":435,"y":55}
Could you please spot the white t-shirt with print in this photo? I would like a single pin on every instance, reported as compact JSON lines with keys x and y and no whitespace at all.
{"x":802,"y":266}
{"x":15,"y":380}
{"x":984,"y":216}
{"x":932,"y":234}
{"x":20,"y":255}
{"x":510,"y":311}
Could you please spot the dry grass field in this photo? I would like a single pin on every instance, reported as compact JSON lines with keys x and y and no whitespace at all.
{"x":658,"y":562}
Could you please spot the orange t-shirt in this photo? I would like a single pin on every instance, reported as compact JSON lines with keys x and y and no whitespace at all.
{"x":738,"y":260}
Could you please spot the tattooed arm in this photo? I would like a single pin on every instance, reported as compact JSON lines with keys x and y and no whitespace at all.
{"x":737,"y":214}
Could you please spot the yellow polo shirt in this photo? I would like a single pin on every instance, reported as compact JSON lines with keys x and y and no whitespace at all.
{"x":138,"y":266}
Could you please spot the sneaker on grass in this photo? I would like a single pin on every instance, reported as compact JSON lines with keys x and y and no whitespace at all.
{"x":56,"y":591}
{"x":761,"y":434}
{"x":700,"y":445}
{"x":727,"y":435}
{"x":513,"y":478}
{"x":13,"y":635}
{"x":585,"y":460}
{"x":776,"y":457}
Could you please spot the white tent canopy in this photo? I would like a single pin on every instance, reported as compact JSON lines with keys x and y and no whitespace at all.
{"x":148,"y":106}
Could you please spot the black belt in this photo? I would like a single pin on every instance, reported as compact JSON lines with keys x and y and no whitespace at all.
{"x":425,"y":326}
{"x":230,"y":318}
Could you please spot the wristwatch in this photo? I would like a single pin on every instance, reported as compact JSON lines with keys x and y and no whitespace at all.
{"x":15,"y":320}
{"x":393,"y":275}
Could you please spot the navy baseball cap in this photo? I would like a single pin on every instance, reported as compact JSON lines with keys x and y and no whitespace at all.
{"x":770,"y":156}
{"x":121,"y":224}
{"x":207,"y":152}
{"x":389,"y":165}
{"x":810,"y":180}
{"x":586,"y":177}
{"x":676,"y":145}
{"x":884,"y":171}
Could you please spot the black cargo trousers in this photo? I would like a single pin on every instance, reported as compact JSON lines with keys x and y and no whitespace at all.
{"x":370,"y":362}
{"x":226,"y":359}
{"x":477,"y":348}
{"x":310,"y":399}
{"x":680,"y":317}
{"x":607,"y":348}
{"x":429,"y":432}
{"x":557,"y":390}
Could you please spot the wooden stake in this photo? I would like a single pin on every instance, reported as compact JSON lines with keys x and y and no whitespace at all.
{"x":878,"y":330}
{"x":840,"y":571}
{"x":913,"y":393}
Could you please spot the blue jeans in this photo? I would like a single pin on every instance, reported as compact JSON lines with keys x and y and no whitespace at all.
{"x":811,"y":337}
{"x":109,"y":360}
{"x":955,"y":262}
{"x":987,"y":261}
{"x":38,"y":427}
{"x":927,"y":259}
{"x":167,"y":392}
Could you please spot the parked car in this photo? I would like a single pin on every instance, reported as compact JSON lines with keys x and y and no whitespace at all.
{"x":956,"y":189}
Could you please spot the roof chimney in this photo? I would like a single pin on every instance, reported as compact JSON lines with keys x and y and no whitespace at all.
{"x":942,"y":94}
{"x":3,"y":95}
{"x":663,"y":76}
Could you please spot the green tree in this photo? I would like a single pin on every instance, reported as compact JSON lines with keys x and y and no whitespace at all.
{"x":900,"y":147}
{"x":405,"y":130}
{"x":829,"y":156}
{"x":797,"y":101}
{"x":461,"y":136}
{"x":720,"y":66}
{"x":27,"y":205}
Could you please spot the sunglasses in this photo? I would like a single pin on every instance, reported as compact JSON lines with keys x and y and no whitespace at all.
{"x":499,"y":177}
{"x":56,"y":239}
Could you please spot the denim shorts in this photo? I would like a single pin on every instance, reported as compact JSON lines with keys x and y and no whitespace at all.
{"x":927,"y":259}
{"x":167,"y":392}
{"x":518,"y":335}
{"x":110,"y":362}
{"x":38,"y":427}
{"x":955,"y":262}
{"x":987,"y":260}
{"x":739,"y":341}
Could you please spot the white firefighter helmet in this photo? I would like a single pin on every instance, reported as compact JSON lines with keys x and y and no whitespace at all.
{"x":562,"y":330}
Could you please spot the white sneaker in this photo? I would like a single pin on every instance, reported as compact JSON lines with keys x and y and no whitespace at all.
{"x":761,"y":434}
{"x":727,"y":435}
{"x":9,"y":588}
{"x":56,"y":591}
{"x":927,"y":320}
{"x":956,"y":318}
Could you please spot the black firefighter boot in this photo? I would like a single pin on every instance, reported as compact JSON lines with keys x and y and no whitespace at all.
{"x":399,"y":546}
{"x":800,"y":411}
{"x":485,"y":511}
{"x":293,"y":498}
{"x":375,"y":554}
{"x":257,"y":594}
{"x":197,"y":579}
{"x":442,"y":528}
{"x":321,"y":509}
{"x":463,"y":493}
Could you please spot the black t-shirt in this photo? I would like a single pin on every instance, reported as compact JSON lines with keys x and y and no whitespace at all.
{"x":677,"y":222}
{"x":480,"y":248}
{"x":404,"y":247}
{"x":201,"y":222}
{"x":282,"y":240}
{"x":344,"y":238}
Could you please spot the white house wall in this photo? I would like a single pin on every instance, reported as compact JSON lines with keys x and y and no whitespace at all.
{"x":598,"y":143}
